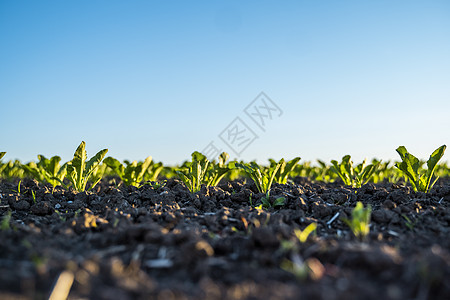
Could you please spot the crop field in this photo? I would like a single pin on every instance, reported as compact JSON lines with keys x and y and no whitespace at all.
{"x":98,"y":228}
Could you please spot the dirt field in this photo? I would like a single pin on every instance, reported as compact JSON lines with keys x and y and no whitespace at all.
{"x":165,"y":243}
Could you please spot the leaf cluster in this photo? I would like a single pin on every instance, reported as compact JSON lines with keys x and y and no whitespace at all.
{"x":266,"y":203}
{"x":12,"y":169}
{"x":153,"y":171}
{"x":355,"y":177}
{"x":47,"y":170}
{"x":80,"y":170}
{"x":202,"y":171}
{"x":130,"y":173}
{"x":284,"y":170}
{"x":360,"y":221}
{"x":263,"y":179}
{"x":410,"y":166}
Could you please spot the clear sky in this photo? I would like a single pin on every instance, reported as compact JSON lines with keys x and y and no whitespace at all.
{"x":165,"y":78}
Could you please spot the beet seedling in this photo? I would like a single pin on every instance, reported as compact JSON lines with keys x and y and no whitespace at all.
{"x":156,"y":185}
{"x":263,"y":180}
{"x":80,"y":171}
{"x":217,"y":171}
{"x":302,"y":235}
{"x":410,"y":166}
{"x":132,"y":173}
{"x":48,"y":170}
{"x":153,"y":171}
{"x":202,"y":171}
{"x":284,"y":170}
{"x":11,"y":168}
{"x":355,"y":177}
{"x":265,"y":202}
{"x":359,"y":224}
{"x":195,"y":172}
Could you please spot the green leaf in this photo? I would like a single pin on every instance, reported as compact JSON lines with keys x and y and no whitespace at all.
{"x":432,"y":163}
{"x":279,"y":201}
{"x":341,"y":170}
{"x":410,"y":166}
{"x":268,"y":184}
{"x":2,"y":154}
{"x":153,"y":171}
{"x":78,"y":165}
{"x":187,"y":181}
{"x":54,"y":166}
{"x":143,"y":168}
{"x":94,"y":162}
{"x":285,"y":169}
{"x":115,"y":165}
{"x":360,"y":222}
{"x":79,"y":171}
{"x":197,"y":156}
{"x":62,"y":171}
{"x":303,"y":235}
{"x":265,"y":202}
{"x":347,"y":164}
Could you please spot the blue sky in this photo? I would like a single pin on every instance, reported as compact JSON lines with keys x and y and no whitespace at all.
{"x":165,"y":78}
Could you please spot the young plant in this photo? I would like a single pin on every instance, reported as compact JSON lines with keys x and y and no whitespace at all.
{"x":48,"y":170}
{"x":18,"y":188}
{"x":355,"y":177}
{"x":265,"y":202}
{"x":217,"y":171}
{"x":323,"y":172}
{"x":2,"y":154}
{"x":410,"y":166}
{"x":80,"y":171}
{"x":359,"y":224}
{"x":285,"y":169}
{"x":153,"y":171}
{"x":156,"y":184}
{"x":202,"y":171}
{"x":132,"y":173}
{"x":11,"y":169}
{"x":194,"y":174}
{"x":263,"y":180}
{"x":303,"y":235}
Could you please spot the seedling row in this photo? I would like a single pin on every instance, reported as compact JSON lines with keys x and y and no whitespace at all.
{"x":83,"y":174}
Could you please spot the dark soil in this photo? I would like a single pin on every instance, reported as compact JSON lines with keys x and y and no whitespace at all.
{"x":164,"y":243}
